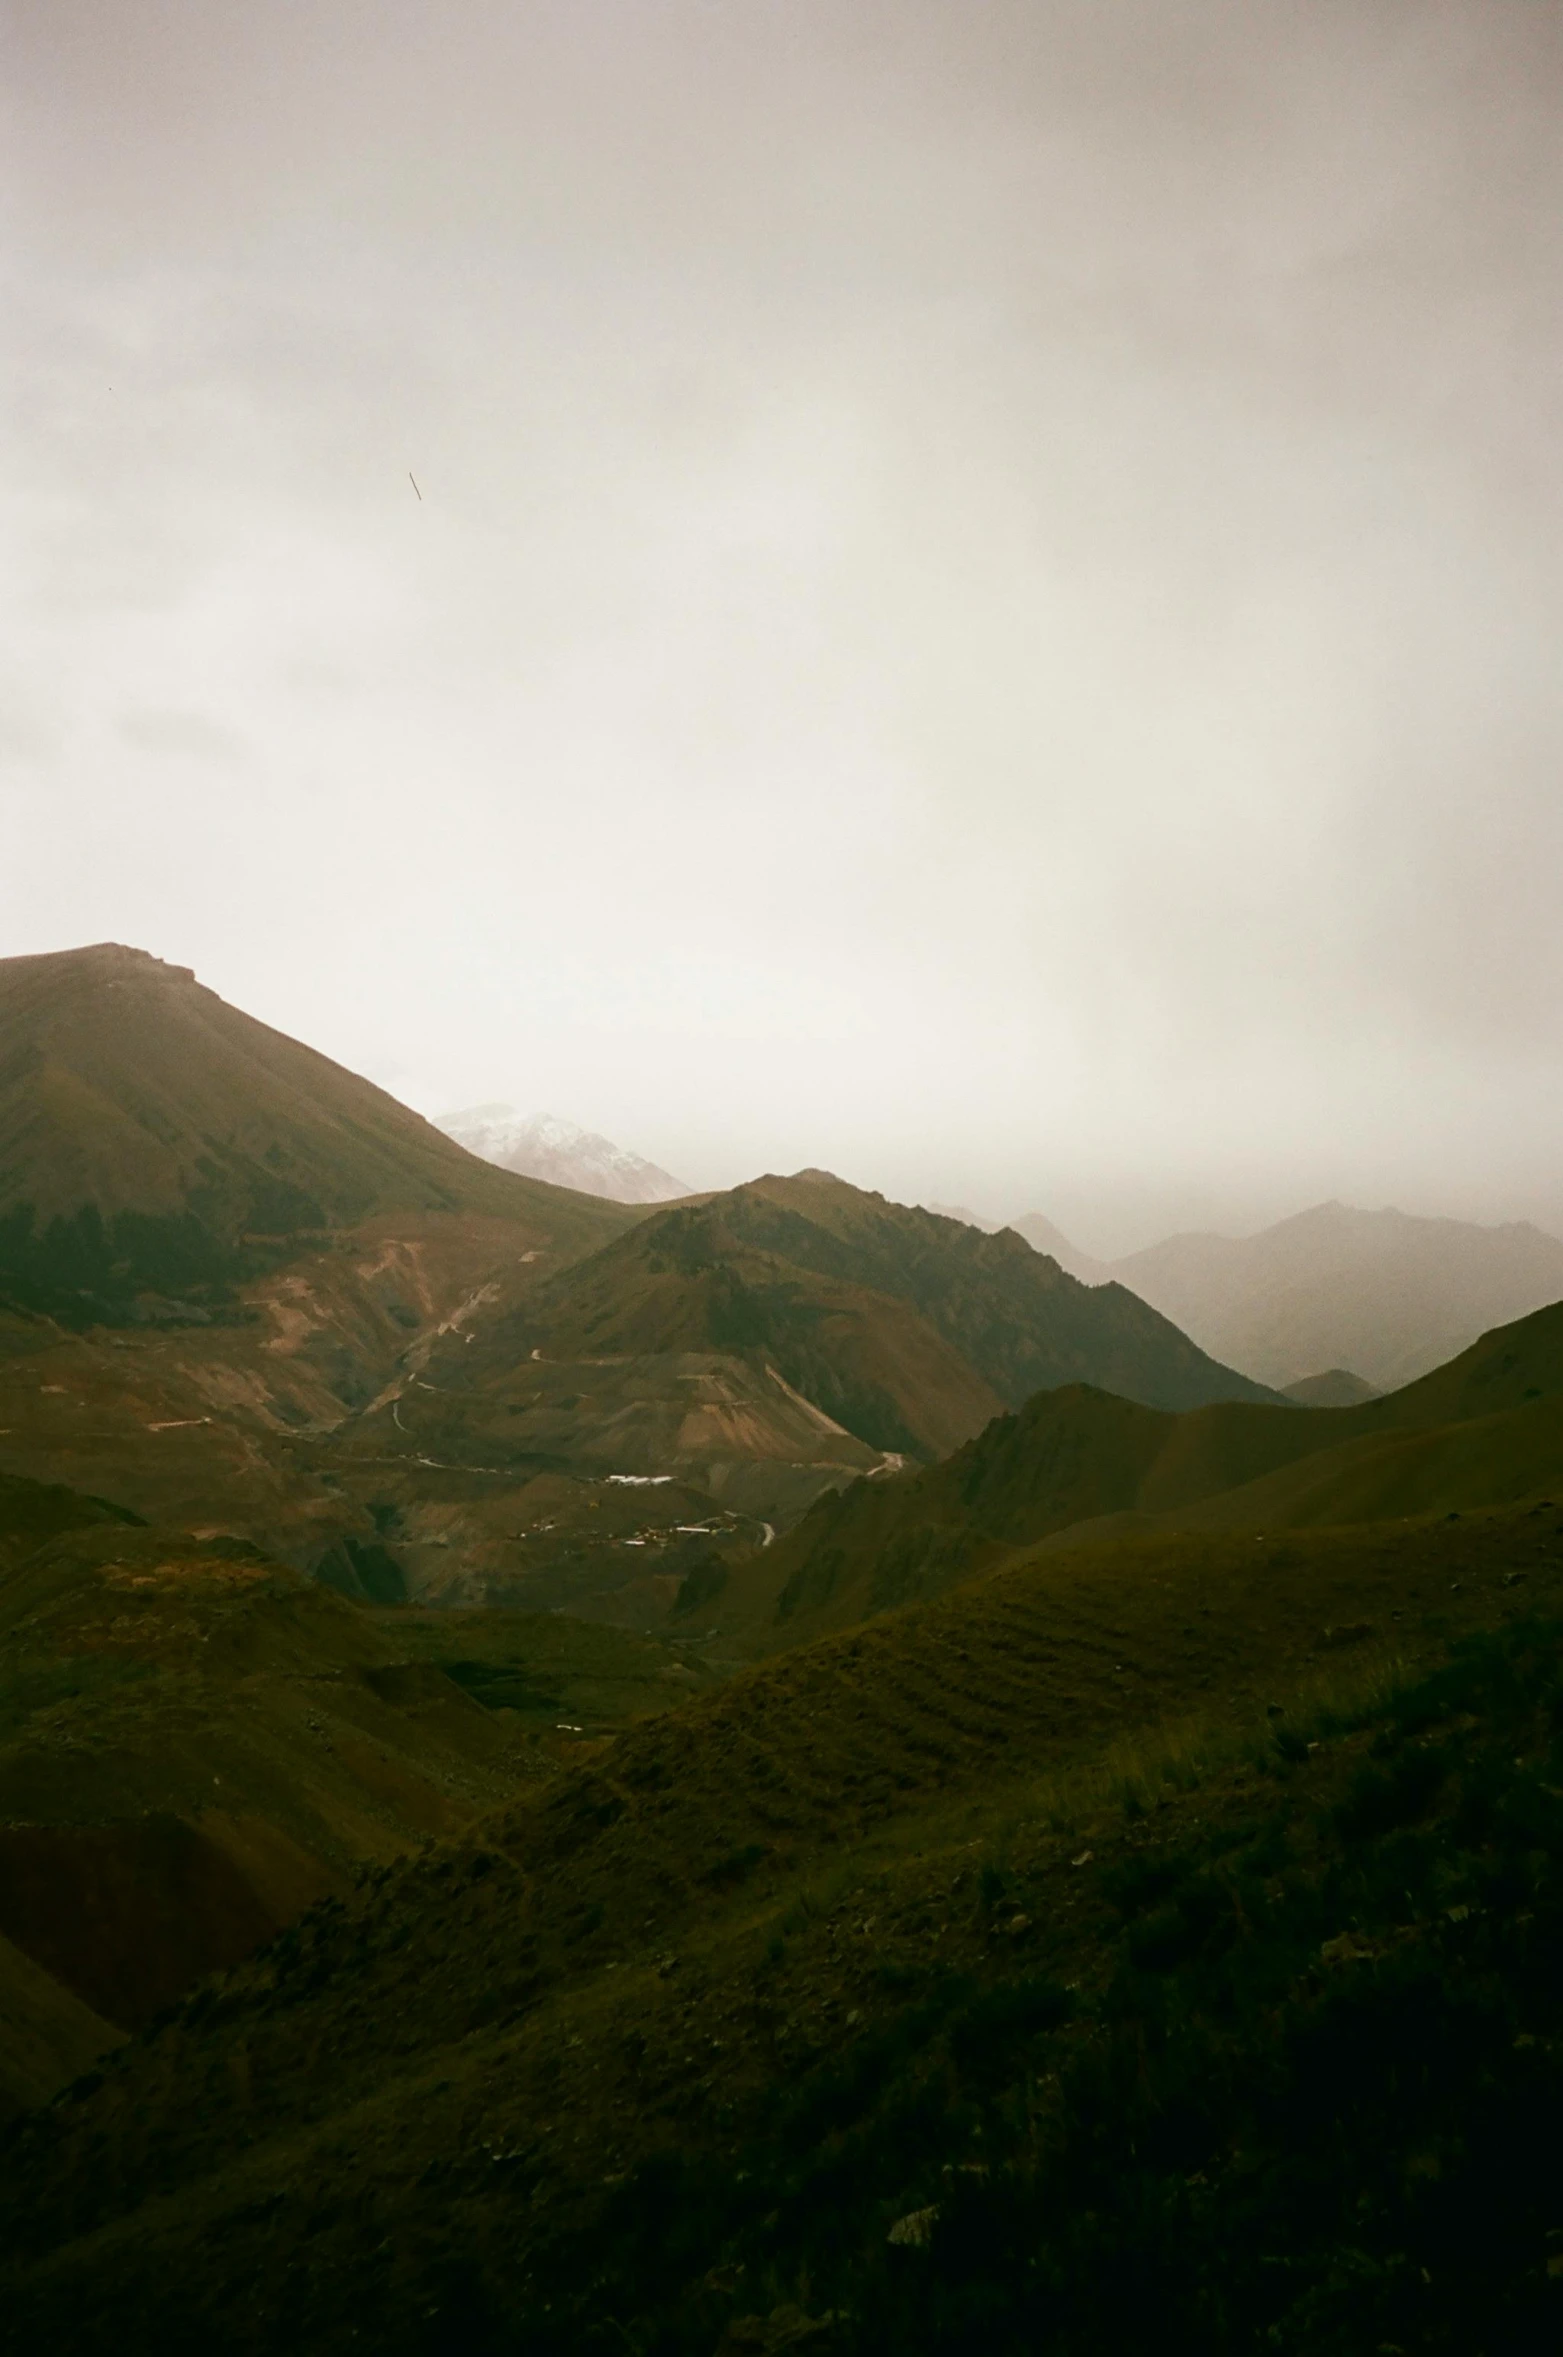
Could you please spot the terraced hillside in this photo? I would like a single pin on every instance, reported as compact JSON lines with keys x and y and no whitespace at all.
{"x":815,"y":2006}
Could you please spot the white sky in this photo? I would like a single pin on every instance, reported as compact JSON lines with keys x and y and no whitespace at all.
{"x":985,"y":609}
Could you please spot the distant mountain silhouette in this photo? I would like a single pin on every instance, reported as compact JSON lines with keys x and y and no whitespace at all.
{"x":1337,"y":1387}
{"x":1381,"y":1292}
{"x":1043,"y":1236}
{"x":1384,"y":1294}
{"x":541,"y":1146}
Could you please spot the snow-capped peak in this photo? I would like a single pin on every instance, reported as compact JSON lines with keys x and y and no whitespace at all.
{"x":542,"y":1146}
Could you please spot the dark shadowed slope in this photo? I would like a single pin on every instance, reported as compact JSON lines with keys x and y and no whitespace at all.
{"x":196,"y":1743}
{"x":661,"y":2057}
{"x":155,"y":1139}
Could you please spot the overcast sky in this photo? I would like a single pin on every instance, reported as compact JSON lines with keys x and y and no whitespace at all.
{"x":984,"y":608}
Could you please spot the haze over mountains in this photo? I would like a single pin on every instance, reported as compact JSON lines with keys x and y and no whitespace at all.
{"x":1081,"y":1467}
{"x":544,"y":1147}
{"x":1381,"y":1292}
{"x":1382,"y":1295}
{"x":871,"y":599}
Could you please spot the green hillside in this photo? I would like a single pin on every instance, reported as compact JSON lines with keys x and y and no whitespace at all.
{"x":1486,"y":1430}
{"x":197,"y":1743}
{"x":155,"y":1140}
{"x":249,"y":1294}
{"x":1068,"y":1917}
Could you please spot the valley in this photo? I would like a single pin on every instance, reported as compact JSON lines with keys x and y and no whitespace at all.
{"x":523,"y":1716}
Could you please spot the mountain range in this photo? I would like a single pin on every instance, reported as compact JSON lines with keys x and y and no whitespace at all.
{"x":744,"y":1351}
{"x":768,"y":1771}
{"x":1382,"y":1295}
{"x":250,"y":1293}
{"x":542,"y":1146}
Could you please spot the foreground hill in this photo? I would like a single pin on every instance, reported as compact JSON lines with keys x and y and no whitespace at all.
{"x":196,"y":1743}
{"x":156,"y":1141}
{"x":930,"y":1988}
{"x":1077,"y":1465}
{"x":1381,"y":1292}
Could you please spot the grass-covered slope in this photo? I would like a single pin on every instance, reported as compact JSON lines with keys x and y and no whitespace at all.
{"x":48,"y":2037}
{"x":1482,"y":1431}
{"x":196,"y":1744}
{"x":153,"y":1138}
{"x":930,"y":1988}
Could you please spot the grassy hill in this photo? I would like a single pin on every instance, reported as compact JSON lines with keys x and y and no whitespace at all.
{"x":1177,"y":1923}
{"x":196,"y":1744}
{"x":1080,"y":1466}
{"x":727,"y":1361}
{"x":217,"y":1246}
{"x":155,"y":1141}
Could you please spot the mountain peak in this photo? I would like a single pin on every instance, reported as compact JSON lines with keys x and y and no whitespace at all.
{"x":150,"y":1134}
{"x":544,"y":1146}
{"x":96,"y":962}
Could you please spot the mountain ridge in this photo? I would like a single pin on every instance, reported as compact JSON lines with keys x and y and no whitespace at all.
{"x":1078,"y":1467}
{"x":848,"y":1293}
{"x":1388,"y":1294}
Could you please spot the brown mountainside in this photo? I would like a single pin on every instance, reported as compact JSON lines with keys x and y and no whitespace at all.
{"x":154,"y":1139}
{"x":907,"y":1328}
{"x":246,"y":1292}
